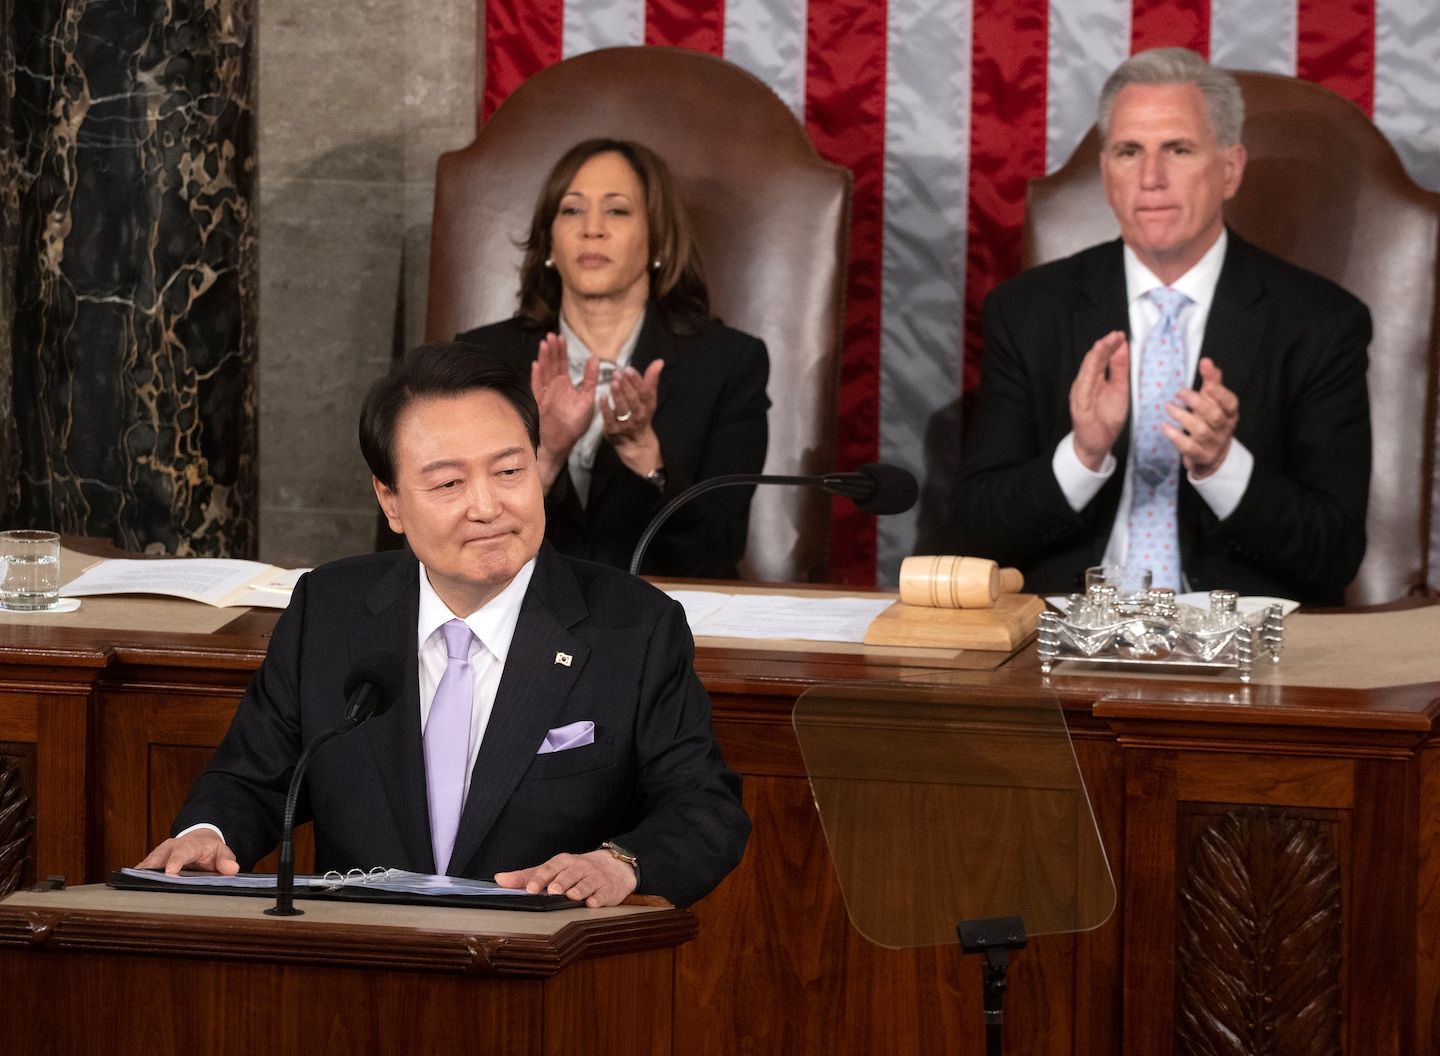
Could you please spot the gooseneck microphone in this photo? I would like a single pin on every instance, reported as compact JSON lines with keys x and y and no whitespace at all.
{"x":371,"y":687}
{"x":876,"y":488}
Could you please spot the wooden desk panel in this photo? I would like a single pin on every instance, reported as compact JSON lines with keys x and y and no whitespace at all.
{"x":1345,"y":783}
{"x":130,"y":973}
{"x":159,"y":737}
{"x":46,"y":773}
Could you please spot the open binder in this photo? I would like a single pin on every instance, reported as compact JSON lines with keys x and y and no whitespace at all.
{"x":352,"y":888}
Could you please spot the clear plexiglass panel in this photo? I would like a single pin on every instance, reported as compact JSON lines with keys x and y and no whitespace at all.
{"x":946,"y":800}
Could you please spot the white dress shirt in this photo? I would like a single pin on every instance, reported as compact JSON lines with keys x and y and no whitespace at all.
{"x":582,"y":456}
{"x":494,"y":627}
{"x":1222,"y":489}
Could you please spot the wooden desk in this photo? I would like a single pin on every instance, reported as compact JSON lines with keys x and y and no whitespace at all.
{"x":125,"y":972}
{"x":1276,"y":851}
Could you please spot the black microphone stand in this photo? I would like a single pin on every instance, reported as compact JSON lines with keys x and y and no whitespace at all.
{"x":851,"y":485}
{"x":285,"y":879}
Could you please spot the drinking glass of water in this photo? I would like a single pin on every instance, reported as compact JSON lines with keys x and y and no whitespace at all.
{"x":1129,"y":581}
{"x":29,"y":570}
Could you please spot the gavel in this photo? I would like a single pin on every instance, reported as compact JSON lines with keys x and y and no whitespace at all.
{"x":949,"y":582}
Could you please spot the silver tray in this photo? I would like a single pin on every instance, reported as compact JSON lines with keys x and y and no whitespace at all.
{"x":1151,"y":630}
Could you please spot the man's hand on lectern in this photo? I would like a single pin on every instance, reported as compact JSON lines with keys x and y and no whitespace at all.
{"x":198,"y":849}
{"x":596,"y":878}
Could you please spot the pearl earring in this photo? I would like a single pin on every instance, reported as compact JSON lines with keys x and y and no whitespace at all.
{"x":656,"y":264}
{"x":549,"y":262}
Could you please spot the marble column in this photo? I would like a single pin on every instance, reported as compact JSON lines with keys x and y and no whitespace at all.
{"x":9,"y":229}
{"x":134,"y":318}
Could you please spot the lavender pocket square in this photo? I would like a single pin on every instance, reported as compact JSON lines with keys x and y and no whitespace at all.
{"x":563,"y":738}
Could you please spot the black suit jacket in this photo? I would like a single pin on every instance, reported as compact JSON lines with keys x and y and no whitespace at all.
{"x":710,"y":419}
{"x":653,"y":781}
{"x":1292,"y":347}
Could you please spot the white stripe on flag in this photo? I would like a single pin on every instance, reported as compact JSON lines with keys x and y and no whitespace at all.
{"x":1407,"y":86}
{"x":767,"y":38}
{"x":1254,"y":35}
{"x":927,"y":171}
{"x":592,"y":24}
{"x":1407,"y":109}
{"x":1088,"y":39}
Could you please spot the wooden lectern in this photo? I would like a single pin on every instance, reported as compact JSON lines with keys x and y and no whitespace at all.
{"x":90,"y":969}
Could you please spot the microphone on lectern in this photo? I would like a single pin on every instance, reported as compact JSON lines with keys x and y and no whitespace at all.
{"x":875,"y":488}
{"x":371,"y":687}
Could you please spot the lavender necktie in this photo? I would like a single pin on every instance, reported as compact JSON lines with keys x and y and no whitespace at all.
{"x":447,"y":742}
{"x":1153,"y":541}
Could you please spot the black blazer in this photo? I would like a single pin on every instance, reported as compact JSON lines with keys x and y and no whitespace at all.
{"x":710,"y":419}
{"x":1292,"y":347}
{"x":653,"y":781}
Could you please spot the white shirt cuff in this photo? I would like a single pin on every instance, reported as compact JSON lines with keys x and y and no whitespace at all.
{"x":201,"y":825}
{"x":1223,"y":489}
{"x":1078,"y":482}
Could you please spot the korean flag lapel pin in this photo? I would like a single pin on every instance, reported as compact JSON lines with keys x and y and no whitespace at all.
{"x":564,"y":659}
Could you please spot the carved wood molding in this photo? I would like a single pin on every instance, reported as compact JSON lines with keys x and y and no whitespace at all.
{"x":17,"y":824}
{"x":1258,"y":933}
{"x":70,"y":921}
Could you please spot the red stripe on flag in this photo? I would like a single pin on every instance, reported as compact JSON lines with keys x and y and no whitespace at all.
{"x":522,"y":37}
{"x":1007,"y":148}
{"x":845,"y":116}
{"x":1172,"y":24}
{"x":1335,"y":46}
{"x":686,"y":24}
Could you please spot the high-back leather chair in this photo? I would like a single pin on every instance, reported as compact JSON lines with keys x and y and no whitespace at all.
{"x":1323,"y":189}
{"x":770,"y":216}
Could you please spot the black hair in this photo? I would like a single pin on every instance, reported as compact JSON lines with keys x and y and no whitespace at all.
{"x":441,"y":369}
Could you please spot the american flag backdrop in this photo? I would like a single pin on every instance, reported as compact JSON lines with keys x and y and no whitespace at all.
{"x":943,"y":109}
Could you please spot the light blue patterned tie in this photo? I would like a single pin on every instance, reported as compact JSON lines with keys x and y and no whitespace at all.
{"x":447,"y":741}
{"x":1153,"y":540}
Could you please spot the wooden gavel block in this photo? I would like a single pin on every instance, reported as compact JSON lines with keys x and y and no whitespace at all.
{"x":950,"y":582}
{"x":957,"y":603}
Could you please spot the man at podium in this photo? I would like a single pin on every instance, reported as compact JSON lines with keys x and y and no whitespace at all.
{"x":548,"y":727}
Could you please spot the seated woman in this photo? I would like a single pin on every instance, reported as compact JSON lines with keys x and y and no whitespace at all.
{"x":641,"y":392}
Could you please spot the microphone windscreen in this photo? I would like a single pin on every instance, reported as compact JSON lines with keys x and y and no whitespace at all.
{"x":377,"y":677}
{"x":896,"y":489}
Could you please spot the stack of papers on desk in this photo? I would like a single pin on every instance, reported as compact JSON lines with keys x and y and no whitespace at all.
{"x":771,"y":616}
{"x":222,"y":582}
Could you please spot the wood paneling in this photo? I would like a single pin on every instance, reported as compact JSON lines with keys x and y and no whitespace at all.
{"x":1260,"y":933}
{"x":1097,"y":968}
{"x":1379,"y":878}
{"x":120,"y":725}
{"x":1426,"y":934}
{"x":17,"y":816}
{"x":1282,"y":781}
{"x":134,"y":984}
{"x":46,"y":735}
{"x":1149,"y":902}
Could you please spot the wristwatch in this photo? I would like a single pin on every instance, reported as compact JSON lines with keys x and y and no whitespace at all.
{"x":624,"y":855}
{"x":657,"y":477}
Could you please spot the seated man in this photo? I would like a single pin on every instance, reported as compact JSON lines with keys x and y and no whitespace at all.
{"x":551,"y":730}
{"x":1239,"y":427}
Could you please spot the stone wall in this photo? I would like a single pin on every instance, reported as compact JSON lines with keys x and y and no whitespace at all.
{"x":357,"y":100}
